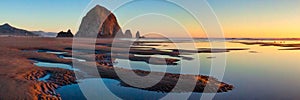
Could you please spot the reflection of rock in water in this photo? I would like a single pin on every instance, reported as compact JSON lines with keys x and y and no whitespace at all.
{"x":168,"y":82}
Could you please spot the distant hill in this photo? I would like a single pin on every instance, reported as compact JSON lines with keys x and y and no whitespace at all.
{"x":7,"y":29}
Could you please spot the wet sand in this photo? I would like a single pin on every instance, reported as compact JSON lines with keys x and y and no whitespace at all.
{"x":19,"y":76}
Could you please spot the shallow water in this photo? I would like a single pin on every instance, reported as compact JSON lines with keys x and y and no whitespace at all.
{"x":53,"y":65}
{"x":73,"y":91}
{"x":268,"y":73}
{"x":45,"y":78}
{"x":72,"y":58}
{"x":51,"y":51}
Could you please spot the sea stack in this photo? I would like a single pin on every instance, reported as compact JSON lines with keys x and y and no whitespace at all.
{"x":128,"y":34}
{"x":137,"y":35}
{"x":65,"y":34}
{"x":99,"y":22}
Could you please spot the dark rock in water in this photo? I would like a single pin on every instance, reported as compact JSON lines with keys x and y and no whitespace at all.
{"x":137,"y":35}
{"x":7,"y":29}
{"x":65,"y":34}
{"x":128,"y":34}
{"x":99,"y":22}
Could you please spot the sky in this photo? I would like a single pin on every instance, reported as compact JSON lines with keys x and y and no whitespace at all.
{"x":238,"y":18}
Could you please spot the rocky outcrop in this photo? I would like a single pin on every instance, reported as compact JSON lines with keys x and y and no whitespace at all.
{"x":127,"y":34}
{"x":65,"y":34}
{"x":7,"y":29}
{"x":99,"y":22}
{"x":137,"y":35}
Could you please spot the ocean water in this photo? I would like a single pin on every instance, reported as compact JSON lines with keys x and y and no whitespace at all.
{"x":261,"y":72}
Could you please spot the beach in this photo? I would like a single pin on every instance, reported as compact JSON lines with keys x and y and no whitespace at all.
{"x":22,"y":74}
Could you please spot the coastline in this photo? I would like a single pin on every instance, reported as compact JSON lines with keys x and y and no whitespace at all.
{"x":18,"y":70}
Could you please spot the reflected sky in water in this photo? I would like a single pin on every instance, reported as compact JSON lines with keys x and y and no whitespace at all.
{"x":267,"y":73}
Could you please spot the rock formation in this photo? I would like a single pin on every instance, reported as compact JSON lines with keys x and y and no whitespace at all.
{"x":99,"y":22}
{"x":7,"y":29}
{"x":65,"y":34}
{"x":127,"y":34}
{"x":137,"y":35}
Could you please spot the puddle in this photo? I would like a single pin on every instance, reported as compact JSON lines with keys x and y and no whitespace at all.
{"x":71,"y":58}
{"x":60,"y":54}
{"x":46,"y":51}
{"x":54,"y":65}
{"x":74,"y":91}
{"x":56,"y":52}
{"x":51,"y":51}
{"x":45,"y":78}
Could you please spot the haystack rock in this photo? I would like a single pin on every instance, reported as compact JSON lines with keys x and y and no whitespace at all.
{"x":99,"y":22}
{"x":65,"y":34}
{"x":7,"y":29}
{"x":128,"y":34}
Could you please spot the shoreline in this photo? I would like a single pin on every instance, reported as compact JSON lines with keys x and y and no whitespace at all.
{"x":18,"y":70}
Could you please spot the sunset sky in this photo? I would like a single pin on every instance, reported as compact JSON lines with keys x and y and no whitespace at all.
{"x":238,"y":18}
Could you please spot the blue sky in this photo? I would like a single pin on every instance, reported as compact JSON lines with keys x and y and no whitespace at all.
{"x":48,"y":15}
{"x":239,"y":18}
